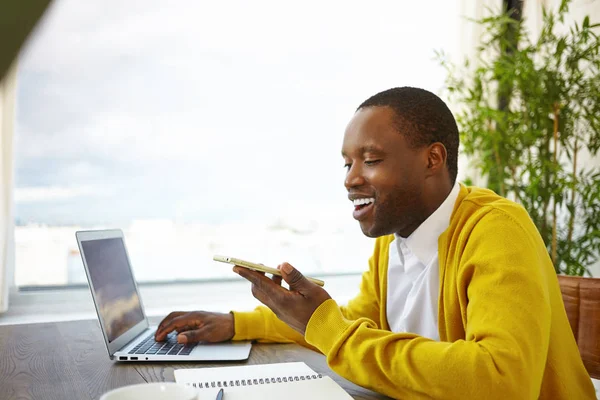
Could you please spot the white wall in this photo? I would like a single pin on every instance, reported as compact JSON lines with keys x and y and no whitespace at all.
{"x":578,"y":9}
{"x":468,"y":35}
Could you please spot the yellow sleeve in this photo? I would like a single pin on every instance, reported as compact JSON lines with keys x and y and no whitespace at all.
{"x":262,"y":325}
{"x":506,"y":319}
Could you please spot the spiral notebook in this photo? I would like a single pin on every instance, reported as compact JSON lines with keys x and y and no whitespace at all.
{"x":292,"y":381}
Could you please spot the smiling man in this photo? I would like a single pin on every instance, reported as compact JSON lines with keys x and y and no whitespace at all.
{"x":460,"y":300}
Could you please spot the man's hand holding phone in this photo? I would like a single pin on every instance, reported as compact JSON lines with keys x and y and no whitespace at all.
{"x":294,"y":306}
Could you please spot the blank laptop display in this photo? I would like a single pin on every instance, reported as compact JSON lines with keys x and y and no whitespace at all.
{"x":118,"y":302}
{"x":124,"y":324}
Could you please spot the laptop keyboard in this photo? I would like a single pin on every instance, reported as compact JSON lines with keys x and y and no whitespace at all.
{"x":169,"y":347}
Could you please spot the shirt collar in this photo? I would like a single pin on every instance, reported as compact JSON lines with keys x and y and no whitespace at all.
{"x":423,"y":242}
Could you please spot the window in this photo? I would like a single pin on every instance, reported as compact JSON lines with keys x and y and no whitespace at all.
{"x":204,"y":128}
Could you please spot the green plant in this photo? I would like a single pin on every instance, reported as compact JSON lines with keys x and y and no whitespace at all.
{"x":530,"y":148}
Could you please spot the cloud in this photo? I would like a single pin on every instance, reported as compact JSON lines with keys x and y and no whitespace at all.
{"x":161,"y":103}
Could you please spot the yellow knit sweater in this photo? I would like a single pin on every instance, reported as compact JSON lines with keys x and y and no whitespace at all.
{"x":504,"y":333}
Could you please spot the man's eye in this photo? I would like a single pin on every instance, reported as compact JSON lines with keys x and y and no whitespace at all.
{"x":347,"y":166}
{"x":372,"y":162}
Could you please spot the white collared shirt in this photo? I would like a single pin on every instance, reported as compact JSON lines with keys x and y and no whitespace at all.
{"x":413,"y":274}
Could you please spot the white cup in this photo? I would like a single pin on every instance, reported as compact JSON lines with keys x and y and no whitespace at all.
{"x":152,"y":391}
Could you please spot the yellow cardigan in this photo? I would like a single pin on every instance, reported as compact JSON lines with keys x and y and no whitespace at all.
{"x":504,"y":332}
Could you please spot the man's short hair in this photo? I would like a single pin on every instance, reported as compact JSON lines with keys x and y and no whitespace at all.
{"x":423,"y":118}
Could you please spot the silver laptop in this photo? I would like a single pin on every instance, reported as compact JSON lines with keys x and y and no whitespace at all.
{"x":127,"y":333}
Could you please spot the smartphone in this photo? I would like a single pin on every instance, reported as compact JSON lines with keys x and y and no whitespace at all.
{"x":258,"y":267}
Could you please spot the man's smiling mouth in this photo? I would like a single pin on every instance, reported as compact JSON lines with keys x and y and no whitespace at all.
{"x":362,"y":207}
{"x":361,"y":203}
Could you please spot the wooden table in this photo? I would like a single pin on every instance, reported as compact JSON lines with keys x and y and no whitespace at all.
{"x":68,"y":360}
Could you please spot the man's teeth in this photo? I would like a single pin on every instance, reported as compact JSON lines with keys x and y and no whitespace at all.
{"x":360,"y":202}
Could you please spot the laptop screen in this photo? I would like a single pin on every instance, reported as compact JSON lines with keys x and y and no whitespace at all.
{"x":111,"y":279}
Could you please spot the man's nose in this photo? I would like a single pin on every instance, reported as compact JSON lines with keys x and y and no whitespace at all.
{"x":354,"y":177}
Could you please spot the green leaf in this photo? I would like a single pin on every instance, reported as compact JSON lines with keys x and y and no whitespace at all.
{"x":564,"y":6}
{"x":560,"y":47}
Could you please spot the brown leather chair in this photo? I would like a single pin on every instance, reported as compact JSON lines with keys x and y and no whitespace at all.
{"x":582,"y":303}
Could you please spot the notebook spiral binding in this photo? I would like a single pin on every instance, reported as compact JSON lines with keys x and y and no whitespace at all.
{"x":250,"y":382}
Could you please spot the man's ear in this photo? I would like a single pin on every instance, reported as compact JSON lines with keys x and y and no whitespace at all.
{"x":436,"y":157}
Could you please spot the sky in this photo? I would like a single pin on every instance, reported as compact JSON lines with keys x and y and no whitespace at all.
{"x":207,"y":111}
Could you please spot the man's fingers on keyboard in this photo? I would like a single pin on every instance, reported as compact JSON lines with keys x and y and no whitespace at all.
{"x":176,"y":324}
{"x":166,"y":321}
{"x":195,"y":336}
